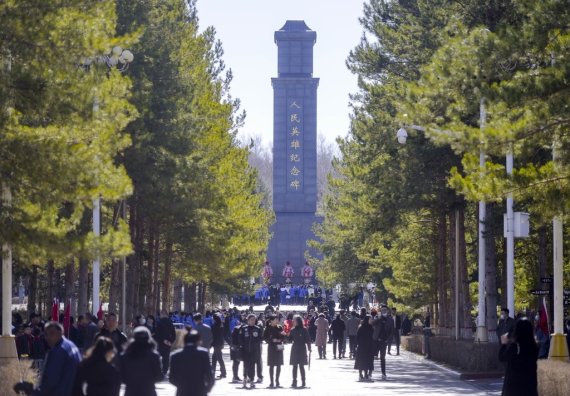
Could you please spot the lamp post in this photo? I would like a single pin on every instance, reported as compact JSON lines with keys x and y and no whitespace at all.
{"x":558,"y":347}
{"x":482,"y":335}
{"x":121,"y":59}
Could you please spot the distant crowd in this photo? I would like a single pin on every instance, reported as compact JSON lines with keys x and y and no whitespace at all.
{"x":94,"y":354}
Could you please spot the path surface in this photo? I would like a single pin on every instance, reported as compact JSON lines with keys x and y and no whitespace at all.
{"x":337,"y":377}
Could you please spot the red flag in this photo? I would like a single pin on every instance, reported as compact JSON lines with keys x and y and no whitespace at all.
{"x":55,"y":310}
{"x":543,"y":317}
{"x":67,"y":318}
{"x":100,"y":312}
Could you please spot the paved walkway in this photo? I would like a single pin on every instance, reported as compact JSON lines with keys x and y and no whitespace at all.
{"x":337,"y":377}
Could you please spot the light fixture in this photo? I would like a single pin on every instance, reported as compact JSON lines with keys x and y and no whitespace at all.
{"x":402,"y":135}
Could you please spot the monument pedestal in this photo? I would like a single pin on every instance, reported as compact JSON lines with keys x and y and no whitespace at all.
{"x":291,"y":232}
{"x":7,"y":348}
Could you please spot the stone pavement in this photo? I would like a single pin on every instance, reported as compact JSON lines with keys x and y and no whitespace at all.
{"x":337,"y":377}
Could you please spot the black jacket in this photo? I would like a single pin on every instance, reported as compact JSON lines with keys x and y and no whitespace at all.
{"x":101,"y":377}
{"x":117,"y":336}
{"x":191,"y":372}
{"x":364,"y":359}
{"x":140,"y":372}
{"x":235,"y":347}
{"x":218,"y":336}
{"x":164,"y":331}
{"x":505,"y":326}
{"x":250,"y":338}
{"x":337,"y":329}
{"x":520,"y":374}
{"x":383,"y":328}
{"x":274,"y":355}
{"x":301,"y":340}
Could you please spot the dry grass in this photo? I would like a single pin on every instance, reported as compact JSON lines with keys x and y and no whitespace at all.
{"x":553,"y":378}
{"x":13,"y":371}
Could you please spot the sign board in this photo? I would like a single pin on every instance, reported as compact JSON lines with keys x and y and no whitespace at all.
{"x":540,"y":292}
{"x":546,"y":280}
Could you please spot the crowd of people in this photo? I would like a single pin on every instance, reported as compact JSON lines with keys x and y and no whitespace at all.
{"x":94,"y":357}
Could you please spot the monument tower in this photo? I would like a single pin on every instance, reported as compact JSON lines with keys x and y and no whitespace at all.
{"x":294,"y":147}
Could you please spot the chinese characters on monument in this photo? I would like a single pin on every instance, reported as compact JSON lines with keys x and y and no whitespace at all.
{"x":295,"y":145}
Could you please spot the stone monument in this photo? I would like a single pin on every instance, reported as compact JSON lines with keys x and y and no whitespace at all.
{"x":294,"y":147}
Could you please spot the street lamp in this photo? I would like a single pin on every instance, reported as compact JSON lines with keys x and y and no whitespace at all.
{"x":121,"y":59}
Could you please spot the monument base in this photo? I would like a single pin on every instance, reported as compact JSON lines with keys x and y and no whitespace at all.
{"x":291,"y":232}
{"x":481,"y":335}
{"x":8,"y":348}
{"x":558,"y":348}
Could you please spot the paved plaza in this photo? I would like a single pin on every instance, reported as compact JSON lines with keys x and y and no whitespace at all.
{"x":406,"y":376}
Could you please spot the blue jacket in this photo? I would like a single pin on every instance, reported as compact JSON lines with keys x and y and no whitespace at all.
{"x":191,"y":372}
{"x":59,"y":371}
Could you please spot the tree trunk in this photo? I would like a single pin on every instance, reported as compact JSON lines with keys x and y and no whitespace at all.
{"x":70,"y":286}
{"x":465,"y":294}
{"x":452,"y":269}
{"x":82,"y":299}
{"x":442,"y":278}
{"x":150,"y":290}
{"x":190,"y":297}
{"x":33,"y":290}
{"x":202,"y":297}
{"x":156,"y":287}
{"x":115,"y":286}
{"x":166,"y":292}
{"x":491,"y":273}
{"x":50,"y":282}
{"x":134,"y":262}
{"x":177,"y":296}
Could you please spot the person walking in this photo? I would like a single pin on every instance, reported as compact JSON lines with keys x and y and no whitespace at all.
{"x":322,"y":325}
{"x":235,"y":354}
{"x":165,"y":335}
{"x":96,"y":376}
{"x":204,"y":330}
{"x":274,"y":336}
{"x":352,"y":325}
{"x":383,"y":331}
{"x":111,"y":330}
{"x":301,"y":343}
{"x":506,"y":324}
{"x":520,"y":353}
{"x":396,"y":337}
{"x":61,"y":364}
{"x":337,"y":332}
{"x":140,"y":366}
{"x":250,"y":338}
{"x":190,"y":369}
{"x":218,"y":344}
{"x":364,"y":357}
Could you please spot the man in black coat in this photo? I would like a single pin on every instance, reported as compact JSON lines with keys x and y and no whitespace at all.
{"x":383,"y":331}
{"x":250,"y":338}
{"x":111,"y":330}
{"x":165,"y":335}
{"x":506,"y":324}
{"x":190,"y":369}
{"x":397,"y":327}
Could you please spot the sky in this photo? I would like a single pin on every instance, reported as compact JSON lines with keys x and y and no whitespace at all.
{"x":246,"y":28}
